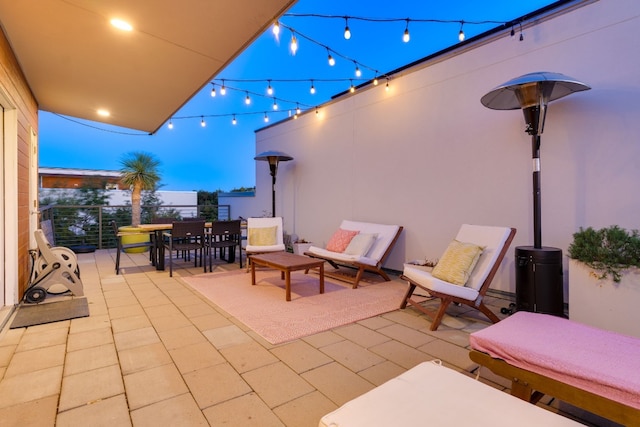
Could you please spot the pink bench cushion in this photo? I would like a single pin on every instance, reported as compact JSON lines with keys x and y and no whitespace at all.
{"x":602,"y":362}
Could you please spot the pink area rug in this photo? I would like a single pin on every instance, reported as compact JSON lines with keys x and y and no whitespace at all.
{"x":263,"y":307}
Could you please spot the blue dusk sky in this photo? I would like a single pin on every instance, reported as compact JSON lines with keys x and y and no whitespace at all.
{"x":220,"y":155}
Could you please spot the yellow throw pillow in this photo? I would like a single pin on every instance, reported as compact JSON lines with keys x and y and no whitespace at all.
{"x":457,"y":263}
{"x":263,"y":236}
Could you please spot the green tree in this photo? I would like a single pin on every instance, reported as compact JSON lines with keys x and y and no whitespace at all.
{"x":140,"y":171}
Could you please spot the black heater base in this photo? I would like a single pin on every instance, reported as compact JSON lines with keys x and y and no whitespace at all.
{"x":539,"y":285}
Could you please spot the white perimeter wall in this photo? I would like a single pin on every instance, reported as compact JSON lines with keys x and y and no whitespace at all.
{"x":429,"y":156}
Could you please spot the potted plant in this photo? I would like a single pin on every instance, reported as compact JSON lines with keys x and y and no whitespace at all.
{"x":604,"y":278}
{"x":300,"y":246}
{"x":139,"y":172}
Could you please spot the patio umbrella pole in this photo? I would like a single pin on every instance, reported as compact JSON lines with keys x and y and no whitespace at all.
{"x":537,"y":200}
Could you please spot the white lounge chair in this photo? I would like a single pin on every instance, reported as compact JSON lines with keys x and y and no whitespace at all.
{"x":494,"y":242}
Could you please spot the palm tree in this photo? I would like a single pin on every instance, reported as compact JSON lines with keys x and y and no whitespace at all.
{"x":140,"y":172}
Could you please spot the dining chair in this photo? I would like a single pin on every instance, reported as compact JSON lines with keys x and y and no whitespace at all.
{"x":121,"y":245}
{"x":226,"y":237}
{"x":186,"y":236}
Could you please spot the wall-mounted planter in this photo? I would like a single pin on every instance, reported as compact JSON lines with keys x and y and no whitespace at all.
{"x":602,"y":302}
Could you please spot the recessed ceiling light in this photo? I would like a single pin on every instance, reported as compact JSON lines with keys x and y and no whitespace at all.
{"x":103,"y":113}
{"x":121,"y":25}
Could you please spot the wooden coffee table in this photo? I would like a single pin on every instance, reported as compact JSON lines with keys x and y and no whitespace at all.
{"x":286,"y":262}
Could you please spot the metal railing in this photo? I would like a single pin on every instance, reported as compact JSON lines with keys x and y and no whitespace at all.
{"x":79,"y":225}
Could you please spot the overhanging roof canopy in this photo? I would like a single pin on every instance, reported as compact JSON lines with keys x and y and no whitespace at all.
{"x":76,"y":62}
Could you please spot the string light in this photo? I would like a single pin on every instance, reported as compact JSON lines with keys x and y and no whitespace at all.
{"x":202,"y":122}
{"x":266,"y":118}
{"x":276,"y":29}
{"x":247,"y":100}
{"x":312,"y":89}
{"x":358,"y":72}
{"x":223,"y":89}
{"x":275,"y":104}
{"x":332,"y":61}
{"x":269,"y":88}
{"x":294,"y":44}
{"x":234,"y":121}
{"x":170,"y":125}
{"x":213,"y":90}
{"x":406,"y":36}
{"x":297,"y":108}
{"x":352,"y":88}
{"x":375,"y":81}
{"x":347,"y":31}
{"x":461,"y":33}
{"x":521,"y":35}
{"x":387,"y":86}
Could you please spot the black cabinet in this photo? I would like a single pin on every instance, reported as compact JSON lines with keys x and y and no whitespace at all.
{"x":539,"y":285}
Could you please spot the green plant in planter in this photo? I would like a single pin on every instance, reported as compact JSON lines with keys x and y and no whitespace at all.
{"x":609,"y":250}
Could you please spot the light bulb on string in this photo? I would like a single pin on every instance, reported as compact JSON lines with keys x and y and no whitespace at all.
{"x":312,"y":89}
{"x":170,"y":125}
{"x":223,"y":89}
{"x":269,"y":88}
{"x":297,"y":108}
{"x":202,"y":122}
{"x":276,"y":29}
{"x":266,"y":118}
{"x":234,"y":121}
{"x":461,"y":33}
{"x":213,"y":91}
{"x":247,"y":100}
{"x":386,"y":88}
{"x":358,"y":72}
{"x":332,"y":61}
{"x":406,"y":36}
{"x":375,"y":81}
{"x":347,"y":31}
{"x":521,"y":35}
{"x":294,"y":44}
{"x":275,"y":104}
{"x":352,"y":88}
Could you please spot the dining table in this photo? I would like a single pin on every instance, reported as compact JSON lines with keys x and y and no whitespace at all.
{"x":158,"y":249}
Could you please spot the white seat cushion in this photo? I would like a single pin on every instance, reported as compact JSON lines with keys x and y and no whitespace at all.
{"x":427,"y":281}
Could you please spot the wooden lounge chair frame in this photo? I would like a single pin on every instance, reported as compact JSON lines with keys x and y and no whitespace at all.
{"x":446,"y":299}
{"x":531,"y":386}
{"x":359,"y":266}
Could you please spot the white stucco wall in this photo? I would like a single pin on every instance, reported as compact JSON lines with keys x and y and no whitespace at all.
{"x":429,"y":156}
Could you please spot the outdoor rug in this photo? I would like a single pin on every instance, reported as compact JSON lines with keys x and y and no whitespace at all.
{"x":37,"y":314}
{"x":263,"y":307}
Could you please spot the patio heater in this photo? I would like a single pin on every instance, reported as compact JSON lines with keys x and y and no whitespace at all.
{"x":273,"y":157}
{"x":538,"y":268}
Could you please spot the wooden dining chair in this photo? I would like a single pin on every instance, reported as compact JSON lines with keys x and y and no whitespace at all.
{"x":186,"y":236}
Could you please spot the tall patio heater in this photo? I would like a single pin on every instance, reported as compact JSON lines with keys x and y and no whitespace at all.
{"x":538,"y":268}
{"x":273,"y":157}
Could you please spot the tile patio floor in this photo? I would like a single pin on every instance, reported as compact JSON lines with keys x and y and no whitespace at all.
{"x":154,"y":352}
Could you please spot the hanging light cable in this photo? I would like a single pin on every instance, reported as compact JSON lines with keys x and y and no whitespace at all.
{"x":406,"y":36}
{"x":347,"y":31}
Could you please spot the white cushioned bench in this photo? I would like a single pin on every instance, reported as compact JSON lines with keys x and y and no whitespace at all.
{"x":433,"y":395}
